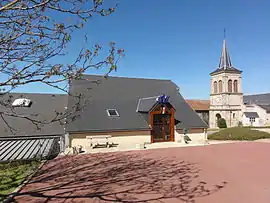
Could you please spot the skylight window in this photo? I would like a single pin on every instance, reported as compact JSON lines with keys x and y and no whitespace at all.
{"x":112,"y":112}
{"x":21,"y":102}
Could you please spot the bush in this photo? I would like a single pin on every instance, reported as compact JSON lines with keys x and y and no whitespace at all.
{"x":238,"y":133}
{"x":222,"y":123}
{"x":240,"y":124}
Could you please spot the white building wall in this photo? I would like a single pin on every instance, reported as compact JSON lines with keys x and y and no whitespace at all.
{"x":196,"y":138}
{"x":246,"y":122}
{"x":263,"y":116}
{"x":123,"y":141}
{"x":132,"y":140}
{"x":268,"y":119}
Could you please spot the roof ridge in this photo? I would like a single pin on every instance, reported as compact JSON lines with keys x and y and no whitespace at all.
{"x":257,"y":94}
{"x":197,"y":99}
{"x":127,"y":77}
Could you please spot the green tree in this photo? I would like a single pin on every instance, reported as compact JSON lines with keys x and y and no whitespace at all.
{"x":222,"y":123}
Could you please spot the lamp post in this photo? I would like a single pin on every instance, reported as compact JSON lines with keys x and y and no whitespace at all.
{"x":230,"y":118}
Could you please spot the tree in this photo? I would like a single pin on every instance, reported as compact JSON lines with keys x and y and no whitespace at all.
{"x":31,"y":34}
{"x":222,"y":123}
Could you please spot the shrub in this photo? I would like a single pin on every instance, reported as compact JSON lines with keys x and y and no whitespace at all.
{"x":240,"y":124}
{"x":222,"y":123}
{"x":238,"y":133}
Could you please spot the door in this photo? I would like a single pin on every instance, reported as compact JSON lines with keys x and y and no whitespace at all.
{"x":162,"y":127}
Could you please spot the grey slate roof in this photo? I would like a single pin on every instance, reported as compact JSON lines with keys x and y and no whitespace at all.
{"x":225,"y":64}
{"x":225,"y":60}
{"x":44,"y":105}
{"x":266,"y":107}
{"x":260,"y":99}
{"x":123,"y":94}
{"x":28,"y":148}
{"x":251,"y":114}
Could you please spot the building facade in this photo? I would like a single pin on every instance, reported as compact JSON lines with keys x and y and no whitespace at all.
{"x":226,"y":97}
{"x":256,"y":110}
{"x":151,"y":113}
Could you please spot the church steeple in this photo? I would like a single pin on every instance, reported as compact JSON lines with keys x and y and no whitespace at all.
{"x":225,"y":64}
{"x":225,"y":60}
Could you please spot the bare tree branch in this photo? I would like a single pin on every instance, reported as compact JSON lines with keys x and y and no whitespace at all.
{"x":31,"y":35}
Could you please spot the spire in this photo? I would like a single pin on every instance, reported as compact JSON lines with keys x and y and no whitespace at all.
{"x":225,"y":64}
{"x":225,"y":61}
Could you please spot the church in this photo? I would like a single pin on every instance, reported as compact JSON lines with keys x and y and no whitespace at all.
{"x":227,"y":100}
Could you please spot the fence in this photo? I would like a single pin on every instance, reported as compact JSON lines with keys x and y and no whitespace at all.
{"x":27,"y":148}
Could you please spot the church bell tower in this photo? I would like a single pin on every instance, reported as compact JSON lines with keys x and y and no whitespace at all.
{"x":226,"y":97}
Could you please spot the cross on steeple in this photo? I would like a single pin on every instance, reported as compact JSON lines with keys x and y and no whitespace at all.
{"x":225,"y":63}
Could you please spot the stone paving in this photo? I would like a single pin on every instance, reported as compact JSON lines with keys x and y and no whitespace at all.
{"x":223,"y":173}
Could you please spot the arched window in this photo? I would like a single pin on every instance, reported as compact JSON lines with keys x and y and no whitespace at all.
{"x":215,"y":87}
{"x":230,"y":86}
{"x":220,"y":86}
{"x":235,"y":86}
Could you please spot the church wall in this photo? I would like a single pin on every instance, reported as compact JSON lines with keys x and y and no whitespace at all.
{"x":224,"y":101}
{"x":225,"y":77}
{"x":232,"y":118}
{"x":228,"y":105}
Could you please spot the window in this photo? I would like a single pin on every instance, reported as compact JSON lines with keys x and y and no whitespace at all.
{"x":215,"y":87}
{"x":22,"y":102}
{"x":252,"y":119}
{"x":220,"y":86}
{"x":235,"y":86}
{"x":112,"y":112}
{"x":230,"y":86}
{"x":233,"y":115}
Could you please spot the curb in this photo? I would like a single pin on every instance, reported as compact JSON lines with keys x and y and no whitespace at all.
{"x":26,"y":180}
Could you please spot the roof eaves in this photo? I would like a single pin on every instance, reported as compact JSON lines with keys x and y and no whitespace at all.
{"x":107,"y":130}
{"x":217,"y":71}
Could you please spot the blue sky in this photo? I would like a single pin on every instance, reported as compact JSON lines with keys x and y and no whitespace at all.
{"x":181,"y":40}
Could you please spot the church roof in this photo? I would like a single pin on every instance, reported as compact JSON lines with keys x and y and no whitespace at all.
{"x":225,"y":64}
{"x":199,"y":105}
{"x":265,"y":107}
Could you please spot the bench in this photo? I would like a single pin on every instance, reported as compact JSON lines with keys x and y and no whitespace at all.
{"x":99,"y":140}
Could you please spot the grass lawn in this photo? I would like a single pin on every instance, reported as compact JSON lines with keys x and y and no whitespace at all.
{"x":13,"y":174}
{"x":239,"y":133}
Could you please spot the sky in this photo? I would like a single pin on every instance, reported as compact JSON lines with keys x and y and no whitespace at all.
{"x":181,"y":40}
